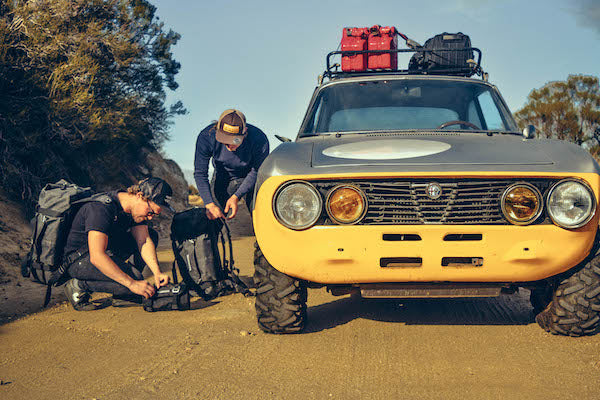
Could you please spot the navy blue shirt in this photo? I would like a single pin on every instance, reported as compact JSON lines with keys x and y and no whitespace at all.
{"x":98,"y":216}
{"x":241,"y":163}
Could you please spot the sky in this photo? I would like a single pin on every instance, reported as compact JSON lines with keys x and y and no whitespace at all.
{"x":263,"y":57}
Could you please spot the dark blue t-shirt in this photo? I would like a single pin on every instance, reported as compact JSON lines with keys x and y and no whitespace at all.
{"x":102,"y":217}
{"x":241,"y":163}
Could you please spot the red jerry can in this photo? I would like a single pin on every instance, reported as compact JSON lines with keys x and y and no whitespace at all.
{"x":354,"y":39}
{"x":383,"y":38}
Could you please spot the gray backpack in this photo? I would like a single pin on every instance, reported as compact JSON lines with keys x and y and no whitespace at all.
{"x":57,"y":205}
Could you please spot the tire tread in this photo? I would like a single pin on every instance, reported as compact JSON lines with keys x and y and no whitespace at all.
{"x":280,"y":299}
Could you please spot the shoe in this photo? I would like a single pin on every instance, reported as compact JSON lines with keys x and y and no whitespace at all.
{"x":79,"y":298}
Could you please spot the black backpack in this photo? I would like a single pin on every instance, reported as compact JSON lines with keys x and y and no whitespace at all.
{"x":57,"y":205}
{"x":446,"y":53}
{"x":206,"y":270}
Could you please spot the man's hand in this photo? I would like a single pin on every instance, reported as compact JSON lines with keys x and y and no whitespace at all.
{"x":232,"y":204}
{"x":213,"y":211}
{"x":161,"y":279}
{"x":142,"y":288}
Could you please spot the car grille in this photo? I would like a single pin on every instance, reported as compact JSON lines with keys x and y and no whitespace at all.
{"x":464,"y":201}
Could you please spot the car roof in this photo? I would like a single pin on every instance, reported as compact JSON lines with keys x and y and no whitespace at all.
{"x":390,"y":76}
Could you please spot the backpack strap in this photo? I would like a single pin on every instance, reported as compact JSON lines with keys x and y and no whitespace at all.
{"x":228,"y":263}
{"x":173,"y":268}
{"x":48,"y":295}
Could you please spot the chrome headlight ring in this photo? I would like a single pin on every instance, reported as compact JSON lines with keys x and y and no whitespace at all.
{"x":359,"y":192}
{"x":552,"y":211}
{"x":537,"y":193}
{"x":297,"y":205}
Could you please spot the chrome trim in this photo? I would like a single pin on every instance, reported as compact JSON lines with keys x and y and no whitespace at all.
{"x":287,"y":184}
{"x":590,"y":191}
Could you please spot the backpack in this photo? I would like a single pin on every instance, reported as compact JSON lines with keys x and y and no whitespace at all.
{"x":206,"y":270}
{"x":56,"y":207}
{"x":452,"y":60}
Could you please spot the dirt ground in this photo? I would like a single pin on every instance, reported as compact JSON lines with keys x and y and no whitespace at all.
{"x":352,"y":348}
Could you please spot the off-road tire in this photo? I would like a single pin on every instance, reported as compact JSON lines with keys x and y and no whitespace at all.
{"x":575,"y":306}
{"x":541,"y":297}
{"x":280,"y":299}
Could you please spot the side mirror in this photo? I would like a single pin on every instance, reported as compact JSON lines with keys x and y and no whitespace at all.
{"x":529,"y":132}
{"x":283,"y":139}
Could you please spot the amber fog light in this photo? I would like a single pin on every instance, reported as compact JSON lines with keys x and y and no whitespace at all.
{"x":521,"y":204}
{"x":346,"y":204}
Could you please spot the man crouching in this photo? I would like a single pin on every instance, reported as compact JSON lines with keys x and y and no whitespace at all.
{"x":105,"y":234}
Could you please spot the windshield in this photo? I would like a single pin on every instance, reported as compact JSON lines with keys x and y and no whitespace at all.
{"x":409,"y":104}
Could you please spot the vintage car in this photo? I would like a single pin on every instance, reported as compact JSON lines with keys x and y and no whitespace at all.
{"x":408,"y":184}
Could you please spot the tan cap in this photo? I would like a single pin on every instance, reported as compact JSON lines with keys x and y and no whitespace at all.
{"x":231,"y":127}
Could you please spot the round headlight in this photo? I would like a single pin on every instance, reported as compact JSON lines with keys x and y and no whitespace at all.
{"x":346,"y":204}
{"x":521,"y":203}
{"x":297,"y":205}
{"x":571,"y":204}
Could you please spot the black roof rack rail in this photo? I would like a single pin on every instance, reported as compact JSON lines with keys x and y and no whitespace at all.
{"x":333,"y":71}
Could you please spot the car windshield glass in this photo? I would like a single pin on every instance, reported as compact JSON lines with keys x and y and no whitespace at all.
{"x":410,"y":104}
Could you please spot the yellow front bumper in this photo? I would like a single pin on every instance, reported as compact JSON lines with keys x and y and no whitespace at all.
{"x":352,"y":254}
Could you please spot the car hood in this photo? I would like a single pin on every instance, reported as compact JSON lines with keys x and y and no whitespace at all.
{"x":428,"y":153}
{"x":424,"y":150}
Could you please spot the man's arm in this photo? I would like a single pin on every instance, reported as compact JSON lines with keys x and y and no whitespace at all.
{"x":204,"y":146}
{"x":148,"y":252}
{"x":97,"y":243}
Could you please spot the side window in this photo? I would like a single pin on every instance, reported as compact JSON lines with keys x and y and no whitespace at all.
{"x":311,"y":127}
{"x":490,"y":112}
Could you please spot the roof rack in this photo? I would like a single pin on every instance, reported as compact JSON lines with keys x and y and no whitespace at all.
{"x":474,"y":68}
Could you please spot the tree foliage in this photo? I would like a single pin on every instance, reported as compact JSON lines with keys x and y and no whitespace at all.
{"x":82,"y":90}
{"x":567,"y":110}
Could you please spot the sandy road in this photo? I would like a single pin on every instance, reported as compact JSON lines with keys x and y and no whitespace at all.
{"x":352,"y":349}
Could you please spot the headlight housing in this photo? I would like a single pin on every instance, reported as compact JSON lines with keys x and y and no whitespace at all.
{"x":571,"y":204}
{"x":297,"y":205}
{"x":346,"y":204}
{"x":521,"y":203}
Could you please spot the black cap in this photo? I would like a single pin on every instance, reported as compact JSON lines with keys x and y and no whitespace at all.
{"x":157,"y":190}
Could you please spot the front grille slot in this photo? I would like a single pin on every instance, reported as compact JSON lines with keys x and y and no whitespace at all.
{"x":462,"y":262}
{"x":394,"y":237}
{"x":463,"y":237}
{"x":406,"y":262}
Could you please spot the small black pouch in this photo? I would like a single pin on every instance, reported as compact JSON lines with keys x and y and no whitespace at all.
{"x":167,"y":298}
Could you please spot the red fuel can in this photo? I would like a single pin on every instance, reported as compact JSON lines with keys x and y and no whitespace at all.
{"x":383,"y":38}
{"x":354,"y":39}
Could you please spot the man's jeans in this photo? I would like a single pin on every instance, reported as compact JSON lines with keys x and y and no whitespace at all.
{"x":93,"y":280}
{"x":223,"y":189}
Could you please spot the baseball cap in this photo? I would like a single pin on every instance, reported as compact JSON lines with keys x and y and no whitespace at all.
{"x":157,"y":190}
{"x":231,"y":127}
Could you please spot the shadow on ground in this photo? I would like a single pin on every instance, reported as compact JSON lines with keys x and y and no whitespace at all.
{"x":503,"y":310}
